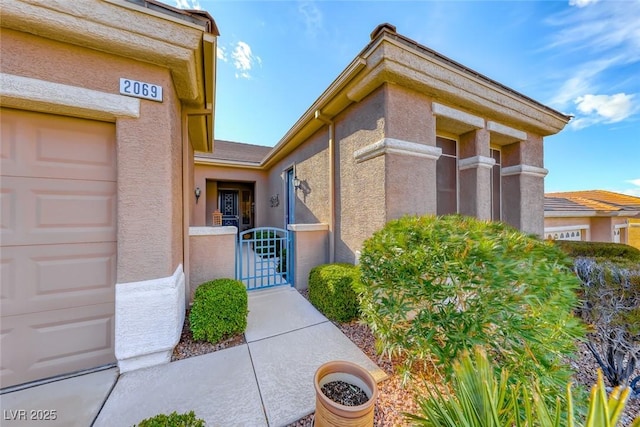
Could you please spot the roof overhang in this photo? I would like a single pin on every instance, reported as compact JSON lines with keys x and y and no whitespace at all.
{"x":125,"y":29}
{"x":599,"y":214}
{"x":392,"y":58}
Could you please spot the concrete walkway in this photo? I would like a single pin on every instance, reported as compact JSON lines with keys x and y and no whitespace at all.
{"x":266,"y":382}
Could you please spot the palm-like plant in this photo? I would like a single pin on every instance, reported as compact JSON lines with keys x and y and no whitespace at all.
{"x":482,"y":399}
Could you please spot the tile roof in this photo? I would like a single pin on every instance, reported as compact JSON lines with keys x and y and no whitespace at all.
{"x":236,"y":152}
{"x":591,"y":200}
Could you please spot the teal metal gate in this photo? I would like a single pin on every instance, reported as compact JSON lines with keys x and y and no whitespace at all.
{"x":264,"y":258}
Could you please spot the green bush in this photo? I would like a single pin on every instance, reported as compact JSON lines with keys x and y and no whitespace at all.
{"x":219,"y":310}
{"x":433,"y":287}
{"x":485,"y":399}
{"x":173,"y":420}
{"x":610,"y":251}
{"x":331,"y":291}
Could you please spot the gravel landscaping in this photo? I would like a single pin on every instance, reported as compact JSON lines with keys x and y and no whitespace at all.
{"x":394,"y":399}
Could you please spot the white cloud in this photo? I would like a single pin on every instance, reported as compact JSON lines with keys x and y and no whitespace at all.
{"x":601,"y":27}
{"x":244,"y":60}
{"x":221,"y":53}
{"x":581,"y":3}
{"x":613,"y":108}
{"x":188,"y":4}
{"x":582,"y":81}
{"x":606,"y":38}
{"x":311,"y":17}
{"x":635,"y":182}
{"x":594,"y":109}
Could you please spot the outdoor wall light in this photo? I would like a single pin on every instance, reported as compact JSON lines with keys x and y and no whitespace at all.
{"x":296,"y":182}
{"x":197,"y":193}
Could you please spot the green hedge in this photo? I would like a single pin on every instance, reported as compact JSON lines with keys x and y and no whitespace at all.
{"x":173,"y":420}
{"x":433,"y":287}
{"x":331,"y":291}
{"x":219,"y":310}
{"x":610,"y":251}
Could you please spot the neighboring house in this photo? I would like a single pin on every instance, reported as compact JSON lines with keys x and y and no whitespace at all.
{"x":402,"y":130}
{"x":96,"y":185}
{"x":596,"y":215}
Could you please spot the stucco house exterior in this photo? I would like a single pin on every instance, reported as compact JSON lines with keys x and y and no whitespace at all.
{"x":107,"y":218}
{"x":402,"y":130}
{"x":103,"y":104}
{"x":592,"y":215}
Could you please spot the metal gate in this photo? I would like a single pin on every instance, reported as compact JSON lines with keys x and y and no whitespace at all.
{"x":264,"y":258}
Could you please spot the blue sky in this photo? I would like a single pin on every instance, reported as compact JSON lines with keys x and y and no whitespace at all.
{"x":581,"y":57}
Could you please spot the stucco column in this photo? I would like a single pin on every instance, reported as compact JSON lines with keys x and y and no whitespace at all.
{"x":475,"y":174}
{"x":523,"y":185}
{"x":311,"y":248}
{"x":410,"y":153}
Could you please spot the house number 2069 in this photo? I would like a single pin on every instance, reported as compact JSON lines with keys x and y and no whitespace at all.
{"x":140,"y":89}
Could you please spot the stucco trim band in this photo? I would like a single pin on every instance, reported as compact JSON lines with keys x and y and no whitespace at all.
{"x":212,"y":231}
{"x":149,"y":320}
{"x":308,"y":227}
{"x":397,"y":146}
{"x":516,"y":134}
{"x":525,"y":170}
{"x":457,"y":115}
{"x":476,"y":162}
{"x":48,"y":97}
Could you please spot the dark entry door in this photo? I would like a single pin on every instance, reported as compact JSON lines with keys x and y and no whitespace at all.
{"x":229,"y":207}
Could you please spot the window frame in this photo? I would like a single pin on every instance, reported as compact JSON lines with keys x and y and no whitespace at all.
{"x":456,"y":140}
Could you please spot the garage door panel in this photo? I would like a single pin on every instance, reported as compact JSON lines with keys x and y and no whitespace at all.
{"x":8,"y":210}
{"x":58,"y":196}
{"x":58,"y":211}
{"x":51,"y":277}
{"x":58,"y":147}
{"x":57,"y":341}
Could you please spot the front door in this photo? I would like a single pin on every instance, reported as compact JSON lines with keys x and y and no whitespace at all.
{"x":229,"y":207}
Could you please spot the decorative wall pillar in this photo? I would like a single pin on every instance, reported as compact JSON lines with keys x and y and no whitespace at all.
{"x":311,"y":248}
{"x":523,"y":185}
{"x":410,"y":153}
{"x":474,"y":169}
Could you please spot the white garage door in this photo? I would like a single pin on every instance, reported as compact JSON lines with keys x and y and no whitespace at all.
{"x":58,"y":245}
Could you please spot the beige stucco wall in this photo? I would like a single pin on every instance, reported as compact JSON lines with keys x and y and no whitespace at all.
{"x":311,"y":161}
{"x":212,"y":255}
{"x":602,"y":229}
{"x":360,"y":205}
{"x":148,"y":148}
{"x":523,"y":194}
{"x":311,"y":249}
{"x":475,"y":183}
{"x":208,"y":200}
{"x":410,"y":181}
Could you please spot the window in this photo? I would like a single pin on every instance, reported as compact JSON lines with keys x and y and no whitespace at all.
{"x":496,"y":186}
{"x":447,"y":177}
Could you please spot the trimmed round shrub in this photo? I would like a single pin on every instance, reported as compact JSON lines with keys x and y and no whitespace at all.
{"x":219,"y":310}
{"x":331,"y":291}
{"x":433,"y":287}
{"x":615,"y":252}
{"x":173,"y":420}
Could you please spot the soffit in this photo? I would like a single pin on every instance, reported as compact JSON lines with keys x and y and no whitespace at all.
{"x":117,"y":28}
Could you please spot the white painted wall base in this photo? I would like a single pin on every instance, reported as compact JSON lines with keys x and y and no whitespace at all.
{"x":149,"y":319}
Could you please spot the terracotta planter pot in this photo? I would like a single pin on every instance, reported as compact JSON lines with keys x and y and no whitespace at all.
{"x":333,"y":414}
